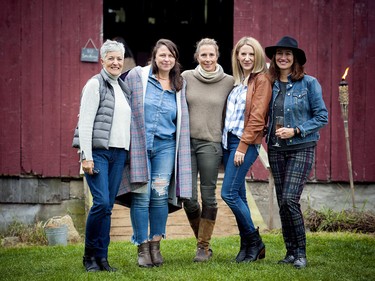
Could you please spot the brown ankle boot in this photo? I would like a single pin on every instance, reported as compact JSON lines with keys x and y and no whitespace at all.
{"x":156,"y":256}
{"x":144,"y":257}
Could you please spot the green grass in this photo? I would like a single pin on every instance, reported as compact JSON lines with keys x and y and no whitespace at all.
{"x":331,"y":256}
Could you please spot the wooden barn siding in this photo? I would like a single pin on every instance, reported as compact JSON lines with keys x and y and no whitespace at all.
{"x":10,"y":88}
{"x":41,"y":80}
{"x":86,"y":24}
{"x":334,"y":35}
{"x":42,"y":77}
{"x":368,"y":76}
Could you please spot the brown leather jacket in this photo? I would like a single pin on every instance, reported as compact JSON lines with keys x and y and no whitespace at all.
{"x":258,"y":97}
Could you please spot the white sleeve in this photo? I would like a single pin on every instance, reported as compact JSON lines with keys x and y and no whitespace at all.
{"x":89,"y":106}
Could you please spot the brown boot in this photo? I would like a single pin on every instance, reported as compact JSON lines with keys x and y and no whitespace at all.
{"x":144,"y":257}
{"x":206,"y":227}
{"x":156,"y":256}
{"x":194,"y":219}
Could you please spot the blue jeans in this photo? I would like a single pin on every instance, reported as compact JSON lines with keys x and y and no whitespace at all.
{"x":233,"y":191}
{"x":150,"y":210}
{"x":103,"y":186}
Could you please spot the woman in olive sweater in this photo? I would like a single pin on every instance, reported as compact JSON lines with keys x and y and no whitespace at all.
{"x":206,"y":93}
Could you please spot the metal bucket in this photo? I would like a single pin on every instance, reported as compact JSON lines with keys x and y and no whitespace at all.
{"x":57,"y":235}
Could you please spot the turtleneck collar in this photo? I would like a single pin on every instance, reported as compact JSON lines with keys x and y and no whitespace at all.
{"x":208,"y":77}
{"x":114,"y":78}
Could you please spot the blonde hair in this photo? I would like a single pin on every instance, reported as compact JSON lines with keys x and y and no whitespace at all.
{"x":206,"y":41}
{"x":260,"y":65}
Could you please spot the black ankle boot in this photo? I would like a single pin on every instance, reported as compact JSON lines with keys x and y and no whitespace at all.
{"x":256,"y":248}
{"x":89,"y":260}
{"x":300,"y":263}
{"x":243,"y":248}
{"x":104,"y":265}
{"x":288,"y":259}
{"x":90,"y":264}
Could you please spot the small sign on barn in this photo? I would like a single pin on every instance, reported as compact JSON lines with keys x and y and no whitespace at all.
{"x":89,"y":54}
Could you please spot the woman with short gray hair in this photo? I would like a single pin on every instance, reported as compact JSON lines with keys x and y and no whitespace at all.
{"x":103,"y":139}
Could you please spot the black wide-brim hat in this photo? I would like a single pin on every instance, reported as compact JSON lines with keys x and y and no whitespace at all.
{"x":287,"y":42}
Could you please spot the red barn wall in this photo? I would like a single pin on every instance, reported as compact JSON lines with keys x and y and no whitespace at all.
{"x":42,"y":76}
{"x":335,"y":35}
{"x":41,"y":80}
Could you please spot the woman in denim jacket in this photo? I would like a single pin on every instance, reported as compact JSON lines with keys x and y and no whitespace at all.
{"x":297,"y":100}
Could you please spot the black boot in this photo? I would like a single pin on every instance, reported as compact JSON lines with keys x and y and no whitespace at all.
{"x":243,"y":248}
{"x":289,"y":257}
{"x":104,"y":265}
{"x":90,"y":264}
{"x":255,"y":248}
{"x":89,"y":261}
{"x":300,"y":261}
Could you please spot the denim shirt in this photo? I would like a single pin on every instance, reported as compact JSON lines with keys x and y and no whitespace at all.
{"x":160,"y":112}
{"x":304,"y":108}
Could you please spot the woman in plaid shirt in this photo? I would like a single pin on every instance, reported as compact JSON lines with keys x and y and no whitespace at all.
{"x":245,"y":119}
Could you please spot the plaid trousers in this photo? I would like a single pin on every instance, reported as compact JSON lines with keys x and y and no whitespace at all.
{"x":290,"y":170}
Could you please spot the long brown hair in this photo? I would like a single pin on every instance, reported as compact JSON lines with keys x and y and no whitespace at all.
{"x":297,"y":73}
{"x":175,"y":73}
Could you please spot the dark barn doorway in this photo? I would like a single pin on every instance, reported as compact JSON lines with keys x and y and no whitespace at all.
{"x":141,"y":23}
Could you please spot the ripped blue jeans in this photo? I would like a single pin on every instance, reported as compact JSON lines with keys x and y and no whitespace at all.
{"x":149,"y":210}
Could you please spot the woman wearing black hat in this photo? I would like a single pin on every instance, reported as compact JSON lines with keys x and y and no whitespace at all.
{"x":297,"y":101}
